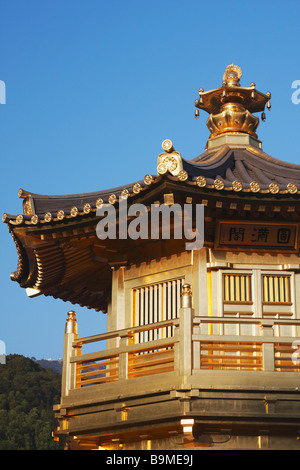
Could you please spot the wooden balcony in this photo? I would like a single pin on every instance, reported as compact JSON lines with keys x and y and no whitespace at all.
{"x":153,"y":376}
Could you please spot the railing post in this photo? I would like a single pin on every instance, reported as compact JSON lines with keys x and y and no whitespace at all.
{"x":196,"y":345}
{"x":268,"y":348}
{"x":123,"y":357}
{"x":69,"y":369}
{"x":186,"y":313}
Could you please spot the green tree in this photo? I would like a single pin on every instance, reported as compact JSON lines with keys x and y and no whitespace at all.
{"x":27,"y":395}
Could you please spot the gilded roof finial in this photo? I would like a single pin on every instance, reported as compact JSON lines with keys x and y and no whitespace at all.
{"x":232,"y":75}
{"x":231,"y":106}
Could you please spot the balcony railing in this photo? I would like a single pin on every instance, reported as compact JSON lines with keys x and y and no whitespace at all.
{"x":190,"y":351}
{"x":127,"y":360}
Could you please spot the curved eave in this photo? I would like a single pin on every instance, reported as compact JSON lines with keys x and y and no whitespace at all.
{"x":51,"y":263}
{"x":219,"y":184}
{"x":60,"y":270}
{"x":23,"y":263}
{"x":43,"y":209}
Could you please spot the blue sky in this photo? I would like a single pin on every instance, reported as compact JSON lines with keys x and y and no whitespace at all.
{"x":93,"y":87}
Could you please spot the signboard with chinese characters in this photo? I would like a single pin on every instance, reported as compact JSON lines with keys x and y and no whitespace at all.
{"x":256,"y":236}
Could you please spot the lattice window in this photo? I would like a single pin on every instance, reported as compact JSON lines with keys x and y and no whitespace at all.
{"x":276,"y":289}
{"x":237,"y":288}
{"x":155,"y":303}
{"x":257,"y":293}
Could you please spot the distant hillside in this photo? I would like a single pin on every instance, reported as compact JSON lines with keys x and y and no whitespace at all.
{"x":54,"y":364}
{"x":28,"y":392}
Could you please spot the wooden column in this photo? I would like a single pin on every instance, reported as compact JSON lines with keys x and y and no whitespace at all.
{"x":117,"y":301}
{"x":200,"y":282}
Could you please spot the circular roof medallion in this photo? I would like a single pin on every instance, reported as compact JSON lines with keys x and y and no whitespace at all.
{"x":273,"y":188}
{"x":99,"y":203}
{"x":254,"y":186}
{"x":201,"y":181}
{"x":148,"y":179}
{"x":167,"y":145}
{"x":48,"y":217}
{"x":237,"y":186}
{"x":136,"y":188}
{"x":112,"y":198}
{"x":87,"y":208}
{"x":19,"y":219}
{"x":219,"y":184}
{"x":182,"y":175}
{"x":292,"y":188}
{"x":162,"y":168}
{"x":74,"y":211}
{"x":60,"y":214}
{"x":124,"y":193}
{"x":171,"y":163}
{"x":34,"y":219}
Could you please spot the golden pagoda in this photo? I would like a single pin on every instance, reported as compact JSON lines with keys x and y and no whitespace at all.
{"x":201,"y":348}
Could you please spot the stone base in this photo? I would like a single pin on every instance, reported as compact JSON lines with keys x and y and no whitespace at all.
{"x":233,"y":139}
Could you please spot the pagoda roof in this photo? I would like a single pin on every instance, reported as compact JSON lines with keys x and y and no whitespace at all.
{"x":225,"y":169}
{"x":245,"y":165}
{"x":59,"y":253}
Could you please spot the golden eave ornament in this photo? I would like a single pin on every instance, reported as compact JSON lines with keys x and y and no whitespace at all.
{"x":170,"y":160}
